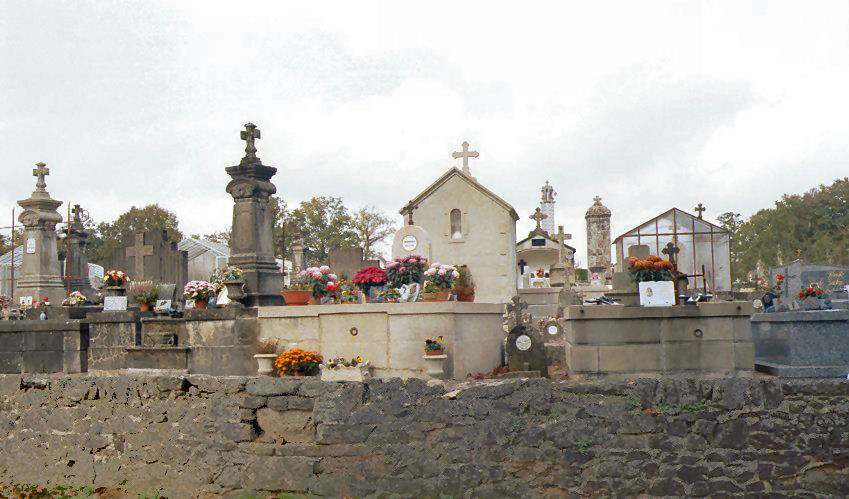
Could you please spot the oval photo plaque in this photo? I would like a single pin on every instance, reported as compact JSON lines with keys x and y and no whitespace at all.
{"x":523,"y":342}
{"x":409,"y":243}
{"x":553,"y":329}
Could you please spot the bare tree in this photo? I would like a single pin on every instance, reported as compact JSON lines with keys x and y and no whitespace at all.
{"x":371,"y":227}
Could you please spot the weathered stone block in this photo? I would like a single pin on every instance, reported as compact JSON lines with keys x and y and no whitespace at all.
{"x":285,"y":427}
{"x":292,"y":474}
{"x":11,"y":342}
{"x":629,"y":358}
{"x":11,"y":362}
{"x":268,"y":386}
{"x":43,"y":361}
{"x":44,"y":340}
{"x":334,"y":433}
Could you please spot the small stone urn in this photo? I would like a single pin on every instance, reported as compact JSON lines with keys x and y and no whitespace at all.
{"x":434,"y":365}
{"x":114,"y":291}
{"x":235,"y":292}
{"x":265,"y":363}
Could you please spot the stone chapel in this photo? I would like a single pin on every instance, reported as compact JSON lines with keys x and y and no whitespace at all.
{"x":469,"y":224}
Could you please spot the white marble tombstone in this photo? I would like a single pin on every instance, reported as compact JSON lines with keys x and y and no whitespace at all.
{"x":411,"y":240}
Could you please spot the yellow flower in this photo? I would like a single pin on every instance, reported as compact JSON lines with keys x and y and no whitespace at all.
{"x":359,"y":359}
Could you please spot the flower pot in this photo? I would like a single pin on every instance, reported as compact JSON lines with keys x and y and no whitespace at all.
{"x":342,"y":373}
{"x":297,"y":297}
{"x":428,"y":296}
{"x":434,"y":352}
{"x":114,"y":291}
{"x":235,"y":291}
{"x":265,"y":363}
{"x":466,"y":297}
{"x":144,"y":307}
{"x":201,"y":304}
{"x":443,"y":295}
{"x":298,"y":374}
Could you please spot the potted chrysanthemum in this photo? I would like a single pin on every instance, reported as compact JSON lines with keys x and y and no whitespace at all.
{"x":145,"y":293}
{"x":321,"y":280}
{"x":200,"y":292}
{"x":370,"y":280}
{"x":442,"y":277}
{"x":654,"y":276}
{"x":297,"y":362}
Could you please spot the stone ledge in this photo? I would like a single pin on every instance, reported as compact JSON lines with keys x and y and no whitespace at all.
{"x":106,"y":317}
{"x":802,"y":316}
{"x":585,"y":312}
{"x":28,"y":326}
{"x":448,"y":307}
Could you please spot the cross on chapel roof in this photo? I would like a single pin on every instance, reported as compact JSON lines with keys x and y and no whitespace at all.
{"x":538,"y":217}
{"x":465,"y":154}
{"x":700,"y":208}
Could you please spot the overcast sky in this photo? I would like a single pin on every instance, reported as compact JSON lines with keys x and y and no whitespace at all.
{"x":647,"y":104}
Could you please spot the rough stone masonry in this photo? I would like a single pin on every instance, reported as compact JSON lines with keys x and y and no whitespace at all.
{"x":237,"y":436}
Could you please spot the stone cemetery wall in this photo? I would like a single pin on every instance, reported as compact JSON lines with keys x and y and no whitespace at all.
{"x":183,"y":436}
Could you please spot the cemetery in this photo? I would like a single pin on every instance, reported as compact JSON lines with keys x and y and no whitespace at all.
{"x":312,"y":382}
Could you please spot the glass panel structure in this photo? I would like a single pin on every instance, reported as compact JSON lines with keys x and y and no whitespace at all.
{"x":704,"y":248}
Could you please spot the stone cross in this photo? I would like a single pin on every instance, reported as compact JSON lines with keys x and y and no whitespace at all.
{"x":670,"y":250}
{"x":77,"y":211}
{"x":138,"y":252}
{"x":250,"y":134}
{"x":465,"y":154}
{"x":515,"y":312}
{"x":597,"y":200}
{"x":40,"y":172}
{"x":561,"y":239}
{"x":538,"y":217}
{"x":700,"y":208}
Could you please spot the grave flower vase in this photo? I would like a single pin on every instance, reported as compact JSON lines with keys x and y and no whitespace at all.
{"x":342,"y":373}
{"x":428,"y":296}
{"x":434,"y":352}
{"x":265,"y":363}
{"x":235,"y":291}
{"x":201,"y":304}
{"x":144,"y":307}
{"x":443,"y":295}
{"x":114,"y":291}
{"x":297,"y":297}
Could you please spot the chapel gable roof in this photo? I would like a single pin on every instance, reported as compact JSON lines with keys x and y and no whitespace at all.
{"x":474,"y":183}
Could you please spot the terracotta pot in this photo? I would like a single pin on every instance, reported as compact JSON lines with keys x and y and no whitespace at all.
{"x":466,"y":297}
{"x":434,"y":352}
{"x":443,"y":295}
{"x":299,"y":374}
{"x":144,"y":307}
{"x":297,"y":297}
{"x":392,"y":301}
{"x":428,"y":296}
{"x":201,"y":304}
{"x":314,"y":300}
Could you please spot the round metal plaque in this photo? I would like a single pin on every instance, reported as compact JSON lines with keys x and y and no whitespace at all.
{"x":553,"y":329}
{"x":523,"y":342}
{"x":409,"y":243}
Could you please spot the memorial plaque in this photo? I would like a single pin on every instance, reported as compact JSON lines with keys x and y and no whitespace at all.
{"x":523,"y":342}
{"x":30,"y":245}
{"x":409,"y":243}
{"x":162,"y":306}
{"x":115,"y":304}
{"x":657,"y":293}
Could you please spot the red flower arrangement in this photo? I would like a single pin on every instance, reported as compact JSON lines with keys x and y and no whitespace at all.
{"x":369,"y":276}
{"x":812,"y":291}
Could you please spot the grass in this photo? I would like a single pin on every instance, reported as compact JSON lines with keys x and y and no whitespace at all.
{"x":584,"y":443}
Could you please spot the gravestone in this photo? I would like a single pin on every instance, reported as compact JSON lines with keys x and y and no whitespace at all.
{"x":798,"y":274}
{"x":298,"y":253}
{"x":525,"y":342}
{"x":151,"y":256}
{"x":40,"y":272}
{"x":76,"y":260}
{"x":346,"y":261}
{"x":251,"y":244}
{"x":411,"y":240}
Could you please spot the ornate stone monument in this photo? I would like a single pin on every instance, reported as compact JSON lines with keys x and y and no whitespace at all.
{"x":251,"y":247}
{"x":598,"y":237}
{"x":40,"y":272}
{"x":298,"y":253}
{"x":77,"y":262}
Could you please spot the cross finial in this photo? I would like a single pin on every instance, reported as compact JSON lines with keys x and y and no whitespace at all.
{"x":700,"y":208}
{"x":40,"y":171}
{"x":597,"y":200}
{"x":465,"y":154}
{"x":249,"y":134}
{"x":538,"y":217}
{"x":671,"y":250}
{"x":77,"y":211}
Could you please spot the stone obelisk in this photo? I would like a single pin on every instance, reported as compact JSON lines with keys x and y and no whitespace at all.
{"x":251,"y":247}
{"x":40,"y":272}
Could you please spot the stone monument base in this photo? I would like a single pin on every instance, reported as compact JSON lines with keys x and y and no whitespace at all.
{"x":612,"y":339}
{"x":802,"y":344}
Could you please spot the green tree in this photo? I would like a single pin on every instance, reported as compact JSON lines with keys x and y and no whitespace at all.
{"x":6,"y":240}
{"x":134,"y":221}
{"x":731,"y":222}
{"x":371,"y":227}
{"x":325,"y":224}
{"x":813,"y":226}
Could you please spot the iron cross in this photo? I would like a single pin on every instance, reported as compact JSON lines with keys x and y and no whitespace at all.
{"x":250,"y":134}
{"x":538,"y":216}
{"x":465,"y":154}
{"x":700,"y":208}
{"x":40,"y":171}
{"x":671,"y":251}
